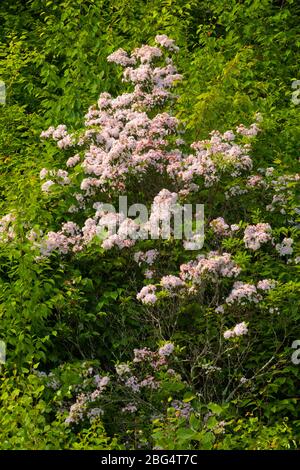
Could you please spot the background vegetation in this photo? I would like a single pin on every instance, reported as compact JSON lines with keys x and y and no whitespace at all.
{"x":66,"y":315}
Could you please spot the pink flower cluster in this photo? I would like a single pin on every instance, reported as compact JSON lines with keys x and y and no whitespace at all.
{"x":243,"y":293}
{"x":163,"y":207}
{"x":77,"y":410}
{"x":145,"y":357}
{"x":266,"y":284}
{"x":155,"y":358}
{"x":252,"y":131}
{"x":212,"y":265}
{"x":171,"y":282}
{"x":256,"y":235}
{"x":130,"y":408}
{"x":68,"y":238}
{"x":60,"y":176}
{"x":164,"y":41}
{"x":212,"y":159}
{"x":239,"y":330}
{"x":60,"y":134}
{"x":235,"y":190}
{"x":82,"y":406}
{"x":255,"y":181}
{"x":183,"y":410}
{"x":7,"y":232}
{"x":147,"y":294}
{"x":147,"y":257}
{"x":166,"y":350}
{"x":72,"y":161}
{"x":219,"y":226}
{"x":285,"y":247}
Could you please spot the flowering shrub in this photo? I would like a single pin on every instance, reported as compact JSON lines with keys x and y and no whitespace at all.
{"x":126,"y":137}
{"x":94,"y":284}
{"x":137,"y":391}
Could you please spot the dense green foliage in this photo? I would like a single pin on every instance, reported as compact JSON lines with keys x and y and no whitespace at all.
{"x":67,"y":314}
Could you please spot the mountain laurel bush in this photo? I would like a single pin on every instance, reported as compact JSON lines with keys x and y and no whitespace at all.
{"x":118,"y":339}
